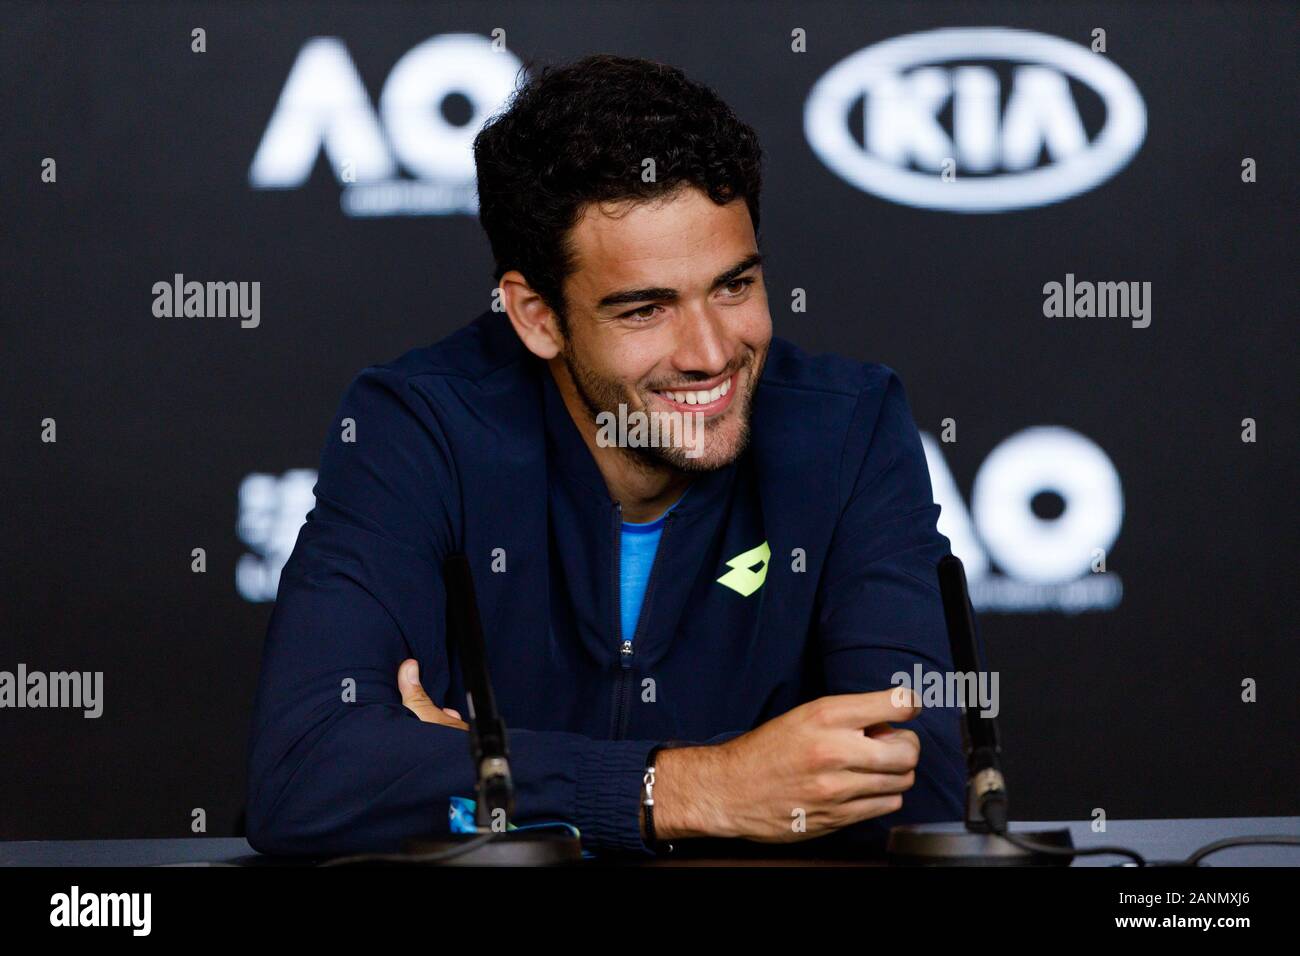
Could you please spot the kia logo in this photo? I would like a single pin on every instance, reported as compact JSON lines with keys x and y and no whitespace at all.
{"x":987,"y":159}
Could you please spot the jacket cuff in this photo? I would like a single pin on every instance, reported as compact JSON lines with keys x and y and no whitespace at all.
{"x":608,"y":812}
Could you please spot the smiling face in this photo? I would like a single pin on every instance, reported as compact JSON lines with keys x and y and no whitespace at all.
{"x":667,"y":313}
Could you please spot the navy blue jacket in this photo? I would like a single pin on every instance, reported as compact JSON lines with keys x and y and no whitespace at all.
{"x":466,"y":446}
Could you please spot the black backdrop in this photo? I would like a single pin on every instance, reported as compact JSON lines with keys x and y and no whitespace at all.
{"x":1135,"y":708}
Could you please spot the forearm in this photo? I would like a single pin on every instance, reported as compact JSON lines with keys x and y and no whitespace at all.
{"x":338,"y":764}
{"x":360,"y":780}
{"x":373,"y":776}
{"x":687,"y":800}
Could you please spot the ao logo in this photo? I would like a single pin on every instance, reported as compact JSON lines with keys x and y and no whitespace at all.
{"x":325,"y":105}
{"x":904,"y":90}
{"x":1049,"y":561}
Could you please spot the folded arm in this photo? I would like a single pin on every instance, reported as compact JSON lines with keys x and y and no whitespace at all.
{"x":337,"y":764}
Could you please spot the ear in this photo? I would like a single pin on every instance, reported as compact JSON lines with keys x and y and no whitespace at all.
{"x":534,"y":321}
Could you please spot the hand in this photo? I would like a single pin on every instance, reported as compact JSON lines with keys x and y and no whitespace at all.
{"x":814,"y":769}
{"x":418,"y":702}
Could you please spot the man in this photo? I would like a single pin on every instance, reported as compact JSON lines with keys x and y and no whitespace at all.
{"x":743,"y":591}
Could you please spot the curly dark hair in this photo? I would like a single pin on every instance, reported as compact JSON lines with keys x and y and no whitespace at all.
{"x":577,"y":134}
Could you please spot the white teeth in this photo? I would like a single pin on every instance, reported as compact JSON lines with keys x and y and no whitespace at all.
{"x":699,"y":398}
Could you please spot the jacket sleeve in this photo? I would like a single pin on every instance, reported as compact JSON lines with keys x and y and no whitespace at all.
{"x":879,"y":607}
{"x":337,"y":764}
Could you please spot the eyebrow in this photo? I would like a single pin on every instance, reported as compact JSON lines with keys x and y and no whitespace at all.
{"x":629,"y":296}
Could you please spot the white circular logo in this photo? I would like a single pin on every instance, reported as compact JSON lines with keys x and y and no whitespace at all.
{"x":989,"y":158}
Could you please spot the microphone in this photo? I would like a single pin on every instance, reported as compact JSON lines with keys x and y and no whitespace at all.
{"x":494,"y":790}
{"x":985,"y":786}
{"x":984,"y":837}
{"x":493,"y":843}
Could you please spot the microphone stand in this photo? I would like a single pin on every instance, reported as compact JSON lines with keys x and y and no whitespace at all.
{"x":492,"y":843}
{"x":984,"y":838}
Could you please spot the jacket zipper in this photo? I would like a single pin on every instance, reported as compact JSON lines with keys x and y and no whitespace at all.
{"x":614,"y":564}
{"x":627,"y":648}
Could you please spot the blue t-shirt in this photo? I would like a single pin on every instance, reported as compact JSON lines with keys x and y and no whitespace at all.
{"x":640,"y":541}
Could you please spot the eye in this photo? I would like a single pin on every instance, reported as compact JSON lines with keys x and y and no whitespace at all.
{"x":744,"y":282}
{"x":637,"y":315}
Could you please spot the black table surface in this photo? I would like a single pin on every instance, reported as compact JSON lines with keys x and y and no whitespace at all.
{"x":1154,"y":839}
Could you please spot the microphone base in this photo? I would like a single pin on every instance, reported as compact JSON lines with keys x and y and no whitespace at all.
{"x":512,"y":848}
{"x":951,"y":844}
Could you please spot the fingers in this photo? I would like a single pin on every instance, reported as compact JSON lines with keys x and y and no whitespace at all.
{"x":882,"y":731}
{"x":873,"y":707}
{"x":869,"y":807}
{"x":887,"y":733}
{"x":848,"y":786}
{"x":888,"y":750}
{"x":413,"y":695}
{"x":418,"y":702}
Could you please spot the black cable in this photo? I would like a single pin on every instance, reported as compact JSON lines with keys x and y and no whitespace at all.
{"x":414,"y":858}
{"x":1217,"y":845}
{"x":995,"y":812}
{"x":1034,"y":847}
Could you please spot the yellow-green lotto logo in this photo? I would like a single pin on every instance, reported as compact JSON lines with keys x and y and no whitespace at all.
{"x":748,"y":570}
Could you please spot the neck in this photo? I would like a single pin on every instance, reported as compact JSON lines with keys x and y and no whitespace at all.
{"x":645,"y":488}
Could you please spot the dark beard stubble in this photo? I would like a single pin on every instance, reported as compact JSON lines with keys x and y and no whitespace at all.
{"x":600,"y":395}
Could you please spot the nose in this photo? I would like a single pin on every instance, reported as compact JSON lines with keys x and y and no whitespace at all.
{"x":701,"y":350}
